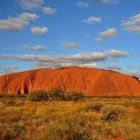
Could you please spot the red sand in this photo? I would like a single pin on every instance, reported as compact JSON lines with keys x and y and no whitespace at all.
{"x":119,"y":138}
{"x":93,"y":82}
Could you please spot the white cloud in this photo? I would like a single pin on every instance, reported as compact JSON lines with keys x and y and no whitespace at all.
{"x":93,"y":56}
{"x":17,"y":23}
{"x":36,"y":47}
{"x":7,"y":70}
{"x":113,"y":67}
{"x":25,"y":57}
{"x":82,"y":59}
{"x":116,"y":53}
{"x":39,"y":48}
{"x":109,"y":33}
{"x":28,"y":16}
{"x":49,"y":10}
{"x":82,"y":4}
{"x":108,"y":1}
{"x":40,"y":64}
{"x":88,"y":65}
{"x":133,"y":24}
{"x":30,"y":4}
{"x":70,"y":45}
{"x":135,"y":74}
{"x":92,"y":20}
{"x":39,"y":30}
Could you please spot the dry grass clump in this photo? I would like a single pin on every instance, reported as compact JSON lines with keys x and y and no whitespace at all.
{"x":113,"y":112}
{"x":67,"y":130}
{"x":11,"y":132}
{"x":94,"y":107}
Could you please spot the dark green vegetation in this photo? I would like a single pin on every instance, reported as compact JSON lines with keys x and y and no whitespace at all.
{"x":68,"y":117}
{"x":55,"y":94}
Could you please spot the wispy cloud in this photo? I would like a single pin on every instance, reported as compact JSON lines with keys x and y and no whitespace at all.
{"x":39,"y":30}
{"x":39,"y":48}
{"x":17,"y":23}
{"x":108,"y":1}
{"x":9,"y":69}
{"x":81,"y":59}
{"x":39,"y":64}
{"x":109,"y":33}
{"x":70,"y":45}
{"x":49,"y":10}
{"x":36,"y":47}
{"x":134,"y":67}
{"x":133,"y":24}
{"x":82,"y":4}
{"x":116,"y":53}
{"x":114,"y":67}
{"x":93,"y":20}
{"x":30,"y":4}
{"x":135,"y":74}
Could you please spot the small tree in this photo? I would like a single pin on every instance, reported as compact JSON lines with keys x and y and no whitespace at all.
{"x":38,"y":95}
{"x":56,"y":94}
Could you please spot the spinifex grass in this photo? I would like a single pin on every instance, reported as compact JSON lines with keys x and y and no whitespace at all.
{"x":67,"y":120}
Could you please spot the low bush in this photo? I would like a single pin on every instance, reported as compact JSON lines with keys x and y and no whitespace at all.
{"x":56,"y":94}
{"x":113,"y":112}
{"x":38,"y":96}
{"x":74,"y":96}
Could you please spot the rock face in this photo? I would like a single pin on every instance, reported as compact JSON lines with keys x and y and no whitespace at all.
{"x":93,"y":82}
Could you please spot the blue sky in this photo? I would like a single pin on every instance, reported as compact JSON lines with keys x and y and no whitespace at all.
{"x":86,"y":33}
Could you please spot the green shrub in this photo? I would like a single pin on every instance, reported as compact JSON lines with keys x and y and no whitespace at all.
{"x":94,"y":107}
{"x":74,"y":95}
{"x":59,"y":94}
{"x":38,"y":96}
{"x":113,"y":112}
{"x":56,"y":94}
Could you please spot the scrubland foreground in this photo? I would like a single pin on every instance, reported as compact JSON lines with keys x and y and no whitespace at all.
{"x":96,"y":118}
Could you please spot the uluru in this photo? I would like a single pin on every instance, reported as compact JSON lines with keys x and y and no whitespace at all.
{"x":91,"y":81}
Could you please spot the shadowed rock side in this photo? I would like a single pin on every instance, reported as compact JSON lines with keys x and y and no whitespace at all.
{"x":93,"y":82}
